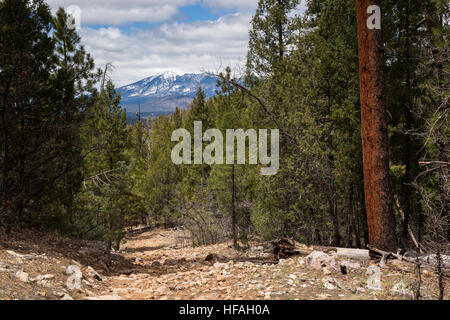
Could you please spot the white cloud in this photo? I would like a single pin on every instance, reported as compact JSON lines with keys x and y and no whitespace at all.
{"x":179,"y":47}
{"x":119,"y":12}
{"x":248,"y":5}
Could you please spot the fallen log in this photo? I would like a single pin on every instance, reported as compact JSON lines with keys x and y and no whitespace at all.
{"x":355,"y":254}
{"x":386,"y":255}
{"x":428,"y":259}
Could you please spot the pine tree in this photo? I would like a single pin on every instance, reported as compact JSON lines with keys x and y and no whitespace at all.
{"x":270,"y":36}
{"x":106,"y":137}
{"x":74,"y":78}
{"x":163,"y":176}
{"x":200,"y":110}
{"x":40,"y":111}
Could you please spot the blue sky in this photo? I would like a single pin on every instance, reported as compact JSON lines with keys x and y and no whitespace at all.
{"x":144,"y":37}
{"x":197,"y":12}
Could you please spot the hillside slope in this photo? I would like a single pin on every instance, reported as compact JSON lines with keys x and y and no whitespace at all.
{"x":161,"y":264}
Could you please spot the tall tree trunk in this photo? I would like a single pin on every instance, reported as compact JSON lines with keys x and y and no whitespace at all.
{"x":378,"y":197}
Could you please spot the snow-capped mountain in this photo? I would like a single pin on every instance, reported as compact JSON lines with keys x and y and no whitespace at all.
{"x":165,"y":91}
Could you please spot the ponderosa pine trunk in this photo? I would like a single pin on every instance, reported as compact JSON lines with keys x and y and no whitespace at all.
{"x":378,"y":197}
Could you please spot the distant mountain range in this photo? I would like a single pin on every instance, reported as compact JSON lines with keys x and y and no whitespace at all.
{"x":163,"y":92}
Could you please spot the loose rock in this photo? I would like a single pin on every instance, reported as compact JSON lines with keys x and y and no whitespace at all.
{"x":402,"y":289}
{"x":351,"y":265}
{"x":328,"y":283}
{"x":22,"y":276}
{"x":318,"y":260}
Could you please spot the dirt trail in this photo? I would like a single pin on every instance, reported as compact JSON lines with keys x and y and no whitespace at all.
{"x":162,"y":264}
{"x":167,"y":267}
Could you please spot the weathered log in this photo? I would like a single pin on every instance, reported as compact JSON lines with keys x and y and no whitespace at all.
{"x":428,"y":259}
{"x":355,"y":254}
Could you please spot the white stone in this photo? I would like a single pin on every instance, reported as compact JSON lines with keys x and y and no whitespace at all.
{"x":327,"y":283}
{"x":318,"y":260}
{"x":402,"y":289}
{"x":43,"y":277}
{"x":22,"y":276}
{"x":351,"y":265}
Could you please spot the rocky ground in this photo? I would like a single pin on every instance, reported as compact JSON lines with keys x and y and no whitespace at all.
{"x":162,"y":264}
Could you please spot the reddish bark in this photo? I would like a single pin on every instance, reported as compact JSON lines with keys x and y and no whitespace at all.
{"x":378,"y":198}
